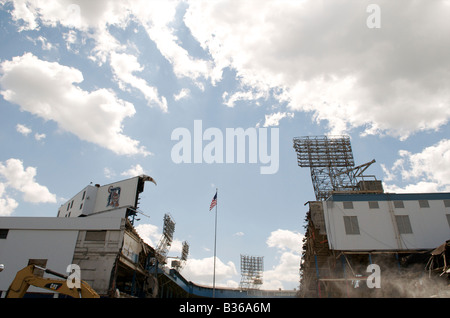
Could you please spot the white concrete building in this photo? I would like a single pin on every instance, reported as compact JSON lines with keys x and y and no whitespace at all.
{"x":92,"y":230}
{"x":383,"y":222}
{"x":55,"y":243}
{"x":349,"y":232}
{"x":95,"y":199}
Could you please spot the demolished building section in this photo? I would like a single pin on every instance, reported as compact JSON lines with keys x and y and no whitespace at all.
{"x":115,"y":262}
{"x":362,"y":242}
{"x":95,"y":231}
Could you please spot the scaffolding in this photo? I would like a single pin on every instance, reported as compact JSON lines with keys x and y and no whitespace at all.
{"x":252,"y":268}
{"x":331,"y":163}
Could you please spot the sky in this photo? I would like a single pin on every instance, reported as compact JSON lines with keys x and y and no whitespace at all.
{"x":100,"y":91}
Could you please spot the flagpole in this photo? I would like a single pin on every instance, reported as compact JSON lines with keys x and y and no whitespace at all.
{"x":215,"y":242}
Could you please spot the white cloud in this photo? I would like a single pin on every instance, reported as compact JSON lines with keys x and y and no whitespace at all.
{"x":419,"y":187}
{"x":243,"y":95}
{"x":425,"y":171}
{"x":156,"y":17}
{"x":149,"y":233}
{"x":39,"y":136}
{"x":24,"y":130}
{"x":71,"y":39}
{"x":94,"y":18}
{"x":200,"y":271}
{"x":7,"y":204}
{"x":47,"y":90}
{"x":136,"y":170}
{"x":83,"y":15}
{"x":24,"y":181}
{"x":285,"y":240}
{"x":176,"y":248}
{"x":286,"y":271}
{"x":313,"y":57}
{"x":45,"y":45}
{"x":274,"y":119}
{"x":391,"y":80}
{"x":105,"y":44}
{"x":124,"y":65}
{"x":25,"y":13}
{"x":388,"y":175}
{"x":289,"y":245}
{"x":183,"y":93}
{"x":109,"y":173}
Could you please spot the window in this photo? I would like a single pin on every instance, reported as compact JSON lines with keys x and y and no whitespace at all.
{"x":351,"y":225}
{"x":447,"y":203}
{"x":84,"y":194}
{"x":424,"y":204}
{"x":399,"y":205}
{"x":403,"y":224}
{"x":348,"y":205}
{"x":373,"y":205}
{"x":81,"y":206}
{"x":3,"y":233}
{"x":448,"y":219}
{"x":95,"y":236}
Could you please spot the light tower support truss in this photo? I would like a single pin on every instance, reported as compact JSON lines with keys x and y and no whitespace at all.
{"x":331,"y":163}
{"x":252,"y":268}
{"x":166,"y":239}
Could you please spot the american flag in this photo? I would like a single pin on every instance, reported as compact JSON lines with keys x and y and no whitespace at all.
{"x":213,"y":202}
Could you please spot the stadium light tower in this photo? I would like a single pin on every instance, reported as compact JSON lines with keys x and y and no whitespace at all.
{"x":252,"y":268}
{"x":166,"y":239}
{"x":179,"y":263}
{"x":330,"y":159}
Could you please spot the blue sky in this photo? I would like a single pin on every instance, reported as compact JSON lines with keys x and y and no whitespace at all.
{"x":92,"y":92}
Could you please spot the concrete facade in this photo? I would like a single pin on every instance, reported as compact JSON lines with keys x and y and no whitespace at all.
{"x":349,"y":232}
{"x":423,"y":217}
{"x":59,"y":242}
{"x":100,"y":198}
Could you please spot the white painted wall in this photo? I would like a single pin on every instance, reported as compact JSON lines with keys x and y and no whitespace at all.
{"x":128,"y":193}
{"x":57,"y":246}
{"x":430,"y":227}
{"x":48,"y":238}
{"x":82,"y":203}
{"x":94,"y":199}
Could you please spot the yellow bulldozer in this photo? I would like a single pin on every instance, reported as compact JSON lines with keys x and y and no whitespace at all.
{"x":26,"y":278}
